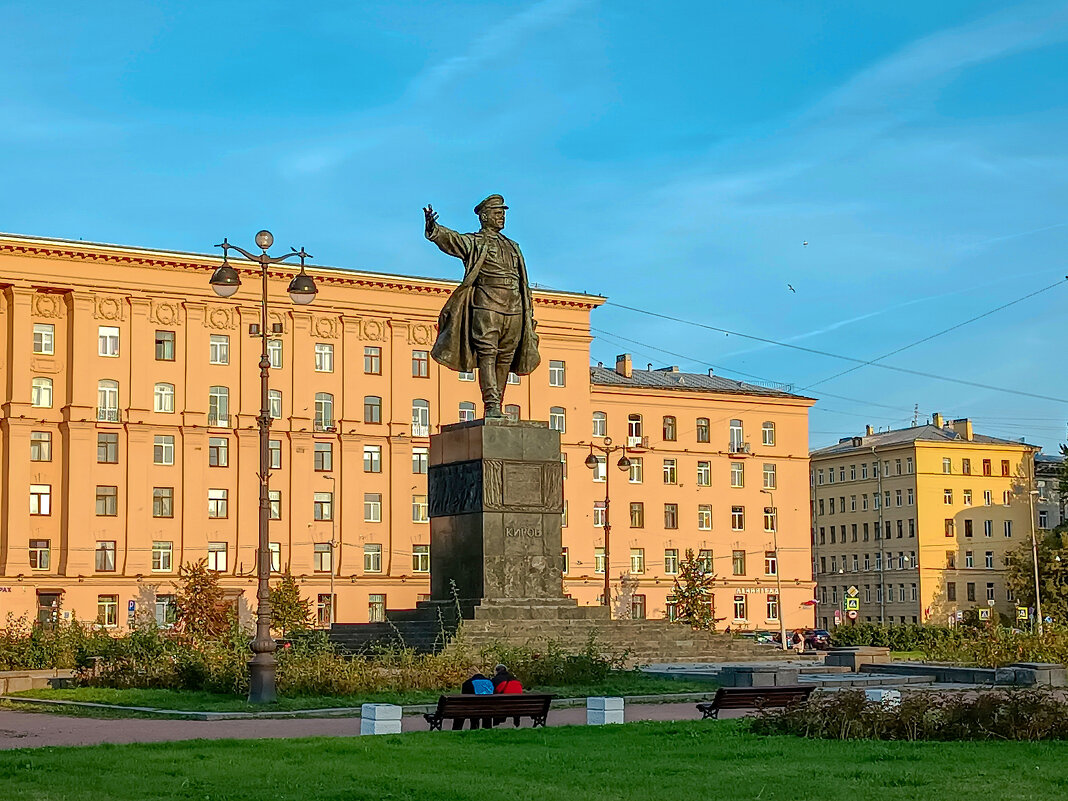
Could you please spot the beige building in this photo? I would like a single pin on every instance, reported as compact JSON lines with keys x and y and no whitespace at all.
{"x":918,"y":520}
{"x":128,"y":443}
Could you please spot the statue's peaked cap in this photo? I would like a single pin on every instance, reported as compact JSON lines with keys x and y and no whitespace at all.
{"x":491,"y":202}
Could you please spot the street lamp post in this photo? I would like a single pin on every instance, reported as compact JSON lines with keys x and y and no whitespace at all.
{"x":1034,"y":558}
{"x":333,"y":541}
{"x":623,"y":464}
{"x":778,"y":566}
{"x":226,"y":281}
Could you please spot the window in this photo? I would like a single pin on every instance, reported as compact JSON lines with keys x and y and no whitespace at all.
{"x":598,"y":514}
{"x":737,"y":474}
{"x":773,"y":607}
{"x":598,"y":560}
{"x":910,"y":496}
{"x":421,"y":461}
{"x":323,"y":459}
{"x":739,"y":607}
{"x":107,"y":611}
{"x":990,"y":591}
{"x":218,"y":500}
{"x":637,"y":560}
{"x":41,"y":393}
{"x":40,"y":554}
{"x":565,"y":562}
{"x":704,"y":474}
{"x":970,"y":591}
{"x":163,"y":501}
{"x":512,"y":412}
{"x":670,"y":472}
{"x":166,"y":611}
{"x":969,"y":561}
{"x":557,"y":419}
{"x":600,"y":468}
{"x":420,"y":364}
{"x":635,"y":472}
{"x":105,"y":556}
{"x":274,"y":403}
{"x":738,"y":518}
{"x":40,"y":446}
{"x":219,"y":406}
{"x":947,"y":465}
{"x":951,"y":591}
{"x":274,"y":504}
{"x":324,"y":411}
{"x":986,"y":468}
{"x":420,"y":418}
{"x":703,"y":429}
{"x":738,"y":562}
{"x":671,"y":561}
{"x":218,"y":451}
{"x":372,"y":360}
{"x":40,"y":499}
{"x":947,"y":496}
{"x":44,"y":339}
{"x":966,"y":467}
{"x":557,"y":373}
{"x":634,"y":429}
{"x":670,"y":429}
{"x":217,"y":556}
{"x":321,"y":557}
{"x":967,"y":497}
{"x":421,"y":559}
{"x":107,"y":394}
{"x":770,"y":481}
{"x":274,"y":451}
{"x":164,"y":346}
{"x":107,"y":340}
{"x":637,"y":514}
{"x":372,"y":507}
{"x":323,"y":505}
{"x":274,"y":549}
{"x":989,"y":560}
{"x":1043,"y":519}
{"x":372,"y":558}
{"x":513,"y":379}
{"x":162,"y":557}
{"x":737,"y":436}
{"x":1008,"y":528}
{"x":324,"y":357}
{"x":107,"y":501}
{"x":767,"y":431}
{"x":466,"y":376}
{"x":419,"y":509}
{"x":949,"y":527}
{"x":771,"y":517}
{"x":467,"y":411}
{"x":1005,"y":467}
{"x":637,"y":607}
{"x":988,"y":498}
{"x":671,"y":515}
{"x":274,"y":353}
{"x":600,"y":424}
{"x":1006,"y":497}
{"x":704,"y":517}
{"x":163,"y":398}
{"x":771,"y":563}
{"x":219,"y":349}
{"x":376,"y":608}
{"x":372,"y":409}
{"x":897,"y":497}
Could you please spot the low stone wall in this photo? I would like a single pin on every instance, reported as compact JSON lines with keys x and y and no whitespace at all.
{"x":1026,"y":674}
{"x":15,"y":681}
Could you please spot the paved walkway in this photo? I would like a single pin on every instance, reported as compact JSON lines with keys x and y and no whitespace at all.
{"x":35,"y":730}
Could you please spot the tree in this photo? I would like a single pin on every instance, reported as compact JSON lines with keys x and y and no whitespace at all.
{"x":202,"y":610}
{"x":623,"y":599}
{"x":1052,"y":574}
{"x":693,"y":592}
{"x":289,"y":611}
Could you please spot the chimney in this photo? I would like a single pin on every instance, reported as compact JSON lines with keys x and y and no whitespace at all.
{"x":936,"y":420}
{"x":963,"y":427}
{"x":868,"y":431}
{"x":623,"y":365}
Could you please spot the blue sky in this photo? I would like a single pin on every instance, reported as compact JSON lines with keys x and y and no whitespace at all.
{"x":672,"y":156}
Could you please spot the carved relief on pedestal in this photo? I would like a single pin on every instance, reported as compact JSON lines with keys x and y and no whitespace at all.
{"x":45,"y":305}
{"x":220,"y":317}
{"x":326,"y":327}
{"x":107,"y":307}
{"x":166,"y":312}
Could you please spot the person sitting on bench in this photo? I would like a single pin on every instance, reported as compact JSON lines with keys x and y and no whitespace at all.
{"x":505,"y":683}
{"x":476,"y":685}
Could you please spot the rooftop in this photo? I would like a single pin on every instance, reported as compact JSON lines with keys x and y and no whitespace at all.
{"x":950,"y":431}
{"x":624,"y":375}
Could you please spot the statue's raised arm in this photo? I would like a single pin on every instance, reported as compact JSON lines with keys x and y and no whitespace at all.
{"x":488,"y":321}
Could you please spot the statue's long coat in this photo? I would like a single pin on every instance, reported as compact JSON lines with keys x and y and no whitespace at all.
{"x":453,"y":347}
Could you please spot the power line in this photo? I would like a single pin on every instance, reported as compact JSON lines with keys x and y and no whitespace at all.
{"x":938,"y":334}
{"x":861,"y":362}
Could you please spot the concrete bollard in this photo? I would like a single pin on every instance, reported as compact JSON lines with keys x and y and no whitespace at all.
{"x":889,"y":699}
{"x":600,"y":710}
{"x":380,"y":719}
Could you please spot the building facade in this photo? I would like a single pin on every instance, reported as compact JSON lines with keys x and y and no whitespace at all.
{"x":129,"y":446}
{"x":1050,"y":506}
{"x":918,"y":521}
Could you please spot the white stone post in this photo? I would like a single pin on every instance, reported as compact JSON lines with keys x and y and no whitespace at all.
{"x":601,"y":710}
{"x":380,"y":719}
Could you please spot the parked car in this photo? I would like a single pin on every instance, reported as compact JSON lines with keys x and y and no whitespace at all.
{"x":817,"y":639}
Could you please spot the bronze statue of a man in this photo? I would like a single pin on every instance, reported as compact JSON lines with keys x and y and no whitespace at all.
{"x":488,"y":321}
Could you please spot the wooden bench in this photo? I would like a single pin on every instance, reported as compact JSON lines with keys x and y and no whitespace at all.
{"x":453,"y":707}
{"x":754,"y":698}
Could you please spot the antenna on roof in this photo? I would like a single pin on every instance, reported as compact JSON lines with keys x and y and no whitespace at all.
{"x":915,"y":415}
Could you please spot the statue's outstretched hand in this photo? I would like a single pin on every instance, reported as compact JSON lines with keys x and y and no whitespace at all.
{"x":431,"y":218}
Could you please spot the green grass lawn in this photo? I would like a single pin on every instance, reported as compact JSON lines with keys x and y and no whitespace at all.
{"x":623,"y":683}
{"x":639,"y":761}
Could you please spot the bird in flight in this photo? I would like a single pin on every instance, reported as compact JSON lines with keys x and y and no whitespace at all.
{"x":804,"y":244}
{"x":791,"y":288}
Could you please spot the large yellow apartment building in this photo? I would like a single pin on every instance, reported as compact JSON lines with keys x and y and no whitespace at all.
{"x":918,"y":520}
{"x":128,"y":444}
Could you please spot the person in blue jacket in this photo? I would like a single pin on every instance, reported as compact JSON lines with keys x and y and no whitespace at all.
{"x":476,"y":685}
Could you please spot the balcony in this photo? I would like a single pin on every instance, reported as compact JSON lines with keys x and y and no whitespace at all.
{"x":216,"y":420}
{"x":324,"y":426}
{"x":637,"y":442}
{"x":739,"y":448}
{"x":107,"y":414}
{"x":420,"y":430}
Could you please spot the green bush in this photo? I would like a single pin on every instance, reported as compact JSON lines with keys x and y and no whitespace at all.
{"x":997,"y":715}
{"x":551,"y":665}
{"x":910,"y":637}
